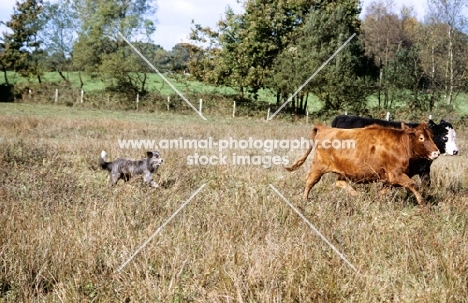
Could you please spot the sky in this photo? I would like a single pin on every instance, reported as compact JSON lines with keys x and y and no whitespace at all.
{"x":174,"y":17}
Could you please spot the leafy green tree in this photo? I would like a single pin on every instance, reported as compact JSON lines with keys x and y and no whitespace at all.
{"x":160,"y":57}
{"x":6,"y":61}
{"x":242,"y":52}
{"x":100,"y":50}
{"x":219,"y":60}
{"x":341,"y":84}
{"x":404,"y":78}
{"x":22,"y":46}
{"x":59,"y":35}
{"x":179,"y":57}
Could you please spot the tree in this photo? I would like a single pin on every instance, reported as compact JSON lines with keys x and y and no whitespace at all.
{"x":100,"y":50}
{"x":22,"y":46}
{"x":448,"y":15}
{"x":179,"y":57}
{"x":383,"y":37}
{"x":404,"y":78}
{"x":241,"y":54}
{"x":6,"y":61}
{"x":341,"y":84}
{"x":59,"y":35}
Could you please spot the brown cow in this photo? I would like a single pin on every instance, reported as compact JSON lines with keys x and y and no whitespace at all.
{"x":377,"y":154}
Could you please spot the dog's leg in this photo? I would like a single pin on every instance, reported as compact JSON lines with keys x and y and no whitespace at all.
{"x":126,"y":177}
{"x":148,"y":178}
{"x":113,"y":178}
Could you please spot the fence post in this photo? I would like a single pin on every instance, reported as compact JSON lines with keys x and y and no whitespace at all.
{"x":168,"y":101}
{"x":234,"y":109}
{"x":201,"y":106}
{"x":268,"y":114}
{"x":307,"y":116}
{"x":137,"y":100}
{"x":388,"y":116}
{"x":82,"y":93}
{"x":56,"y":95}
{"x":430,"y":117}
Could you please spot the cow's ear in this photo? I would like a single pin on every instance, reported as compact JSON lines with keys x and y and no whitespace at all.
{"x":404,"y":126}
{"x":442,"y":121}
{"x":149,"y":154}
{"x":432,"y":123}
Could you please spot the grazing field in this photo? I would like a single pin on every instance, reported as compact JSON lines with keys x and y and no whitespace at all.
{"x":64,"y":233}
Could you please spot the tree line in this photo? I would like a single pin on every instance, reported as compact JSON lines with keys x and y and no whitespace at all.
{"x":278,"y":44}
{"x":273,"y":45}
{"x":84,"y":36}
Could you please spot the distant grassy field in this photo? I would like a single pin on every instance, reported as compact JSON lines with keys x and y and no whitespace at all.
{"x":155,"y":84}
{"x":186,"y":86}
{"x":64,"y":233}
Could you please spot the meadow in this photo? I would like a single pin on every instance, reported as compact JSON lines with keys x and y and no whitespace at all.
{"x":64,"y":233}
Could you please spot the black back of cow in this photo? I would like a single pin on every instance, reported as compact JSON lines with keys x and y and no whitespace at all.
{"x":345,"y":121}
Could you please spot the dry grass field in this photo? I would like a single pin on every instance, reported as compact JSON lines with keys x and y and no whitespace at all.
{"x":64,"y":233}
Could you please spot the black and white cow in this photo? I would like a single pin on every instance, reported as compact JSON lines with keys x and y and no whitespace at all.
{"x":444,"y":137}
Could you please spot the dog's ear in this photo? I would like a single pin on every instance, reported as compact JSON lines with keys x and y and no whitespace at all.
{"x":149,"y":154}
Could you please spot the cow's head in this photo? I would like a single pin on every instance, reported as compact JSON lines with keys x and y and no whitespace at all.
{"x":444,"y":137}
{"x":421,"y":142}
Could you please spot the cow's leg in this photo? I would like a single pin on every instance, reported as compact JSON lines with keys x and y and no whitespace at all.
{"x":341,"y":183}
{"x":407,"y":182}
{"x":312,"y":178}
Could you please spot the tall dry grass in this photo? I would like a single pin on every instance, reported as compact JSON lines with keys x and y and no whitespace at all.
{"x":64,"y":233}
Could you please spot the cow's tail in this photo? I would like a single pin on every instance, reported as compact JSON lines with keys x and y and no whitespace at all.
{"x":301,"y":160}
{"x":102,"y":162}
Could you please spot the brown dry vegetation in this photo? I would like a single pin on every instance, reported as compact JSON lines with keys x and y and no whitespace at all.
{"x":64,"y":233}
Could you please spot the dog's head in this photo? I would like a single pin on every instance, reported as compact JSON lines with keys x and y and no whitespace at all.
{"x":153,"y":160}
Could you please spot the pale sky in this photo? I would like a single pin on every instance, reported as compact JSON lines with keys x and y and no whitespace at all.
{"x":175,"y":16}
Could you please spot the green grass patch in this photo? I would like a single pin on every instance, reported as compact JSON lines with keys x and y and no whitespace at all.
{"x":156,"y":85}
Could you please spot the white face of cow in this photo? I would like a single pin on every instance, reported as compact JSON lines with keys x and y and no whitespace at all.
{"x":450,"y":144}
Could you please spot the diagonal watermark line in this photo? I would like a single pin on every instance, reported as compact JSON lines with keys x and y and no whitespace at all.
{"x":311,"y":77}
{"x":160,"y":228}
{"x":162,"y":76}
{"x":314,"y":229}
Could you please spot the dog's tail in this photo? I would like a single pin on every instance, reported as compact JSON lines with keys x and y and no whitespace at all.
{"x":102,"y":162}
